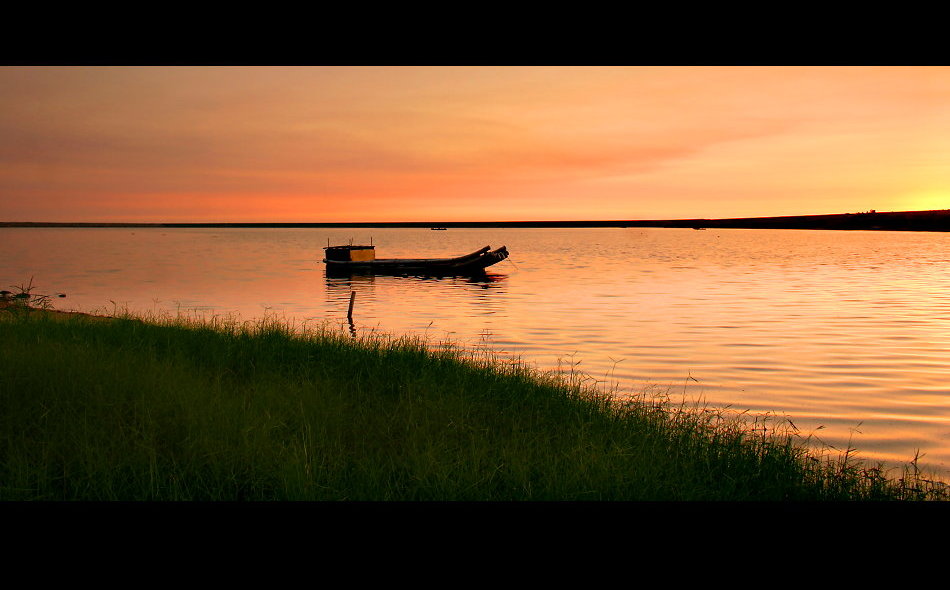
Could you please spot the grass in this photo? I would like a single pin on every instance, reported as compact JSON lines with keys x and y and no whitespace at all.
{"x":178,"y":409}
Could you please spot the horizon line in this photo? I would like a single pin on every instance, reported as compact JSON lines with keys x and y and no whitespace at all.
{"x":438,"y":223}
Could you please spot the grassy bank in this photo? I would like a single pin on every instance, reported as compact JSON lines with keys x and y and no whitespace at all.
{"x":184,"y":410}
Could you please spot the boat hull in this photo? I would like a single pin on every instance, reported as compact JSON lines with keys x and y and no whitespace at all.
{"x":472,"y":263}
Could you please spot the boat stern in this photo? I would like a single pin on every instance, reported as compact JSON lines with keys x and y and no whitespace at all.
{"x":349,"y":253}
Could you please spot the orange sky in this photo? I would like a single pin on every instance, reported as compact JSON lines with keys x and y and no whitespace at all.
{"x":324,"y":144}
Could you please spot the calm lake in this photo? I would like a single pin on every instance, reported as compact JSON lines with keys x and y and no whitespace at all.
{"x":849,"y":331}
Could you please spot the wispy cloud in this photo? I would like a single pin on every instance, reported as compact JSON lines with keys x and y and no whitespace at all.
{"x":304,"y":139}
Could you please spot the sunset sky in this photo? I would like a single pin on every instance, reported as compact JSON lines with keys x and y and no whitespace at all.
{"x":328,"y":144}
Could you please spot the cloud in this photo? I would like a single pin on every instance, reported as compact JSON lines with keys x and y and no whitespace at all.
{"x":69,"y":136}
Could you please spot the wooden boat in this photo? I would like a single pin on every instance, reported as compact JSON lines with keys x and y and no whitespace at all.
{"x":363,"y":258}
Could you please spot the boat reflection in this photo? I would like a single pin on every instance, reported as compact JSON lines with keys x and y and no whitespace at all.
{"x":424,"y":297}
{"x":353,"y":277}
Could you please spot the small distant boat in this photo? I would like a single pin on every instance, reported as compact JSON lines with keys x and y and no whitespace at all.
{"x":699,"y":228}
{"x":438,"y":228}
{"x":363,"y":259}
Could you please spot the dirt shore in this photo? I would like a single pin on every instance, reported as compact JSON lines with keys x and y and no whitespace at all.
{"x":14,"y":307}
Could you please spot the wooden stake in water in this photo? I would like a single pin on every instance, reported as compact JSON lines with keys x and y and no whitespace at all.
{"x":349,"y":314}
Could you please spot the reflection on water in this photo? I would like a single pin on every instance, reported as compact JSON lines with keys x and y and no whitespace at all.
{"x":336,"y":279}
{"x":340,"y":287}
{"x":834,"y":329}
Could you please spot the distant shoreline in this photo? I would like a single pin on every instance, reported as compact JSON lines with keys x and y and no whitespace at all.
{"x":933,"y":220}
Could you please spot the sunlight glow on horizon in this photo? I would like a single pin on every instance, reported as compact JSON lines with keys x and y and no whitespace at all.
{"x":336,"y":144}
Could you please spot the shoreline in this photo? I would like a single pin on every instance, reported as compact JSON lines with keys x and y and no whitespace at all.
{"x":186,"y":410}
{"x":11,"y":304}
{"x":937,"y":220}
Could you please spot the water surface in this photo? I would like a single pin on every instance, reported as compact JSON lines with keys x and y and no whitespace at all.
{"x":848,"y":331}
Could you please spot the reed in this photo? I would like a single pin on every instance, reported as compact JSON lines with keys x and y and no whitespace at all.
{"x":171,"y":408}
